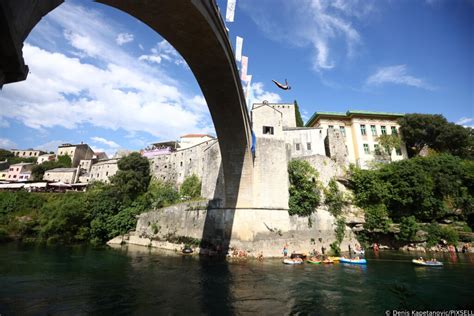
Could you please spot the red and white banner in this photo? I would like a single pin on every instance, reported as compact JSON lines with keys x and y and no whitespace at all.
{"x":239,"y":41}
{"x":243,"y":70}
{"x":229,"y":15}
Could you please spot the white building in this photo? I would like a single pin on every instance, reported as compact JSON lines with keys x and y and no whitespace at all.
{"x":361,"y":130}
{"x":76,"y":152}
{"x":27,"y":153}
{"x":190,"y":140}
{"x":65,"y":175}
{"x":45,"y":157}
{"x":103,"y":170}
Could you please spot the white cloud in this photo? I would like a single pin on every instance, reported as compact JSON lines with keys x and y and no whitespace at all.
{"x":320,"y":25}
{"x":150,"y":58}
{"x":124,"y":38}
{"x":465,"y":120}
{"x":397,"y":74}
{"x":115,"y":91}
{"x":258,"y":94}
{"x":6,"y":143}
{"x":163,"y":51}
{"x":104,"y":141}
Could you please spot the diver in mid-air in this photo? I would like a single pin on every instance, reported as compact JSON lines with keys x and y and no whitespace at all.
{"x":282,"y":86}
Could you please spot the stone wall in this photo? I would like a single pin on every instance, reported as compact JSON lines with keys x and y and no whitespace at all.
{"x":252,"y":230}
{"x":326,"y":167}
{"x":302,"y":141}
{"x":178,"y":165}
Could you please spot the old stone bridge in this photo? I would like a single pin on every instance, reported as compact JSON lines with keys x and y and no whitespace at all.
{"x":196,"y":30}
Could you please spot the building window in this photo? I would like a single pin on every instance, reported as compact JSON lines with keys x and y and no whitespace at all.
{"x":343,"y":130}
{"x":362,"y":130}
{"x":377,"y":149}
{"x":297,"y":146}
{"x":394,"y":130}
{"x":308,"y":146}
{"x":330,"y":126}
{"x":181,"y":164}
{"x":14,"y":176}
{"x":384,"y":130}
{"x":366,"y":149}
{"x":398,"y":151}
{"x":107,"y":173}
{"x":374,"y":130}
{"x":268,"y":130}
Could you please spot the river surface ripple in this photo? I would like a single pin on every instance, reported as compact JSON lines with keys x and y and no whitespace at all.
{"x":40,"y":280}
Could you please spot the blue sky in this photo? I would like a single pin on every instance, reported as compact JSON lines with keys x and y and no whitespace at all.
{"x":100,"y":76}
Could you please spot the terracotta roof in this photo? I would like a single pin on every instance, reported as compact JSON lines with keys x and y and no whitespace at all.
{"x":196,"y":135}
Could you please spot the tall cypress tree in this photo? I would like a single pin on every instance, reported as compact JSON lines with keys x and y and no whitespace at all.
{"x":299,"y":120}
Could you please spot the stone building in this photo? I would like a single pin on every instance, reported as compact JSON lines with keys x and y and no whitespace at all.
{"x":175,"y":166}
{"x":20,"y":172}
{"x":103,"y":170}
{"x":191,"y":140}
{"x":360,"y":130}
{"x":4,"y":174}
{"x":76,"y":152}
{"x":45,"y":157}
{"x":65,"y":175}
{"x":27,"y":153}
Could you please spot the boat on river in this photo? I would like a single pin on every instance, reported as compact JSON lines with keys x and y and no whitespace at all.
{"x":334,"y":259}
{"x":314,"y":261}
{"x":353,"y":261}
{"x":429,"y":263}
{"x":293,"y":261}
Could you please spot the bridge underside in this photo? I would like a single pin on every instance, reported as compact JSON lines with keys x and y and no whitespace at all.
{"x":196,"y":30}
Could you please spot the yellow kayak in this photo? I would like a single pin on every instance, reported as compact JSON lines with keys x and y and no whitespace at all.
{"x":334,"y":259}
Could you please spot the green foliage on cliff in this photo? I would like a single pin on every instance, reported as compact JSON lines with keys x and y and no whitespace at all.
{"x":334,"y":198}
{"x":162,"y":193}
{"x":408,"y":228}
{"x":376,"y":218}
{"x":429,"y":188}
{"x":304,"y":190}
{"x":438,"y":233}
{"x":191,"y":187}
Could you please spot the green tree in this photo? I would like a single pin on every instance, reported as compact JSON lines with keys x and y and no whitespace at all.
{"x":191,"y":187}
{"x":133,"y":176}
{"x":299,"y":120}
{"x":304,"y":190}
{"x":65,"y":161}
{"x":162,"y":194}
{"x":387,"y":144}
{"x":434,"y":131}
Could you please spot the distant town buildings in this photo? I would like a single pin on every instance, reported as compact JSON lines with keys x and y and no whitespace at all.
{"x":76,"y":152}
{"x":20,"y":172}
{"x":103,"y":170}
{"x":64,"y":175}
{"x":350,"y":137}
{"x":28,"y":153}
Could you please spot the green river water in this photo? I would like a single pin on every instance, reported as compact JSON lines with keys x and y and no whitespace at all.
{"x":41,"y":280}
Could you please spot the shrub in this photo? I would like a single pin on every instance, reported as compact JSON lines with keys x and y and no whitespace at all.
{"x":304,"y":190}
{"x":408,"y":228}
{"x":162,"y":194}
{"x":334,"y":198}
{"x":376,"y":218}
{"x":191,"y":187}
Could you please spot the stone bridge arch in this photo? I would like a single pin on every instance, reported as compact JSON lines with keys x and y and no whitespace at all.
{"x":196,"y":30}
